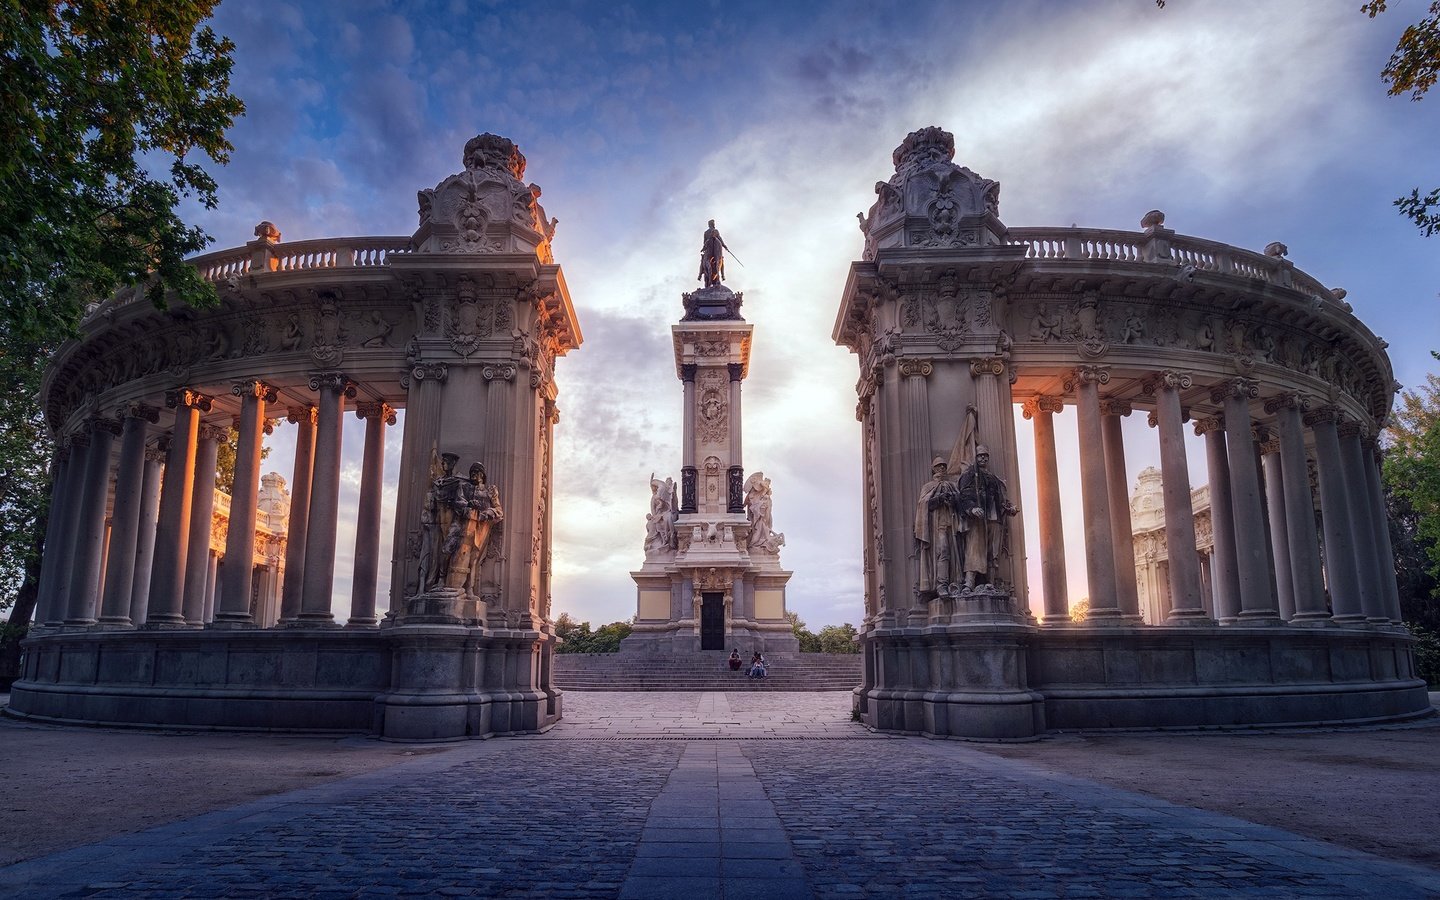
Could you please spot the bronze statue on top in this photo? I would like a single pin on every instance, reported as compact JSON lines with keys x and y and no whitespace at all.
{"x":712,"y":256}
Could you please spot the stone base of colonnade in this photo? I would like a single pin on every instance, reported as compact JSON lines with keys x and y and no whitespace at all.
{"x":401,"y":683}
{"x":996,"y":681}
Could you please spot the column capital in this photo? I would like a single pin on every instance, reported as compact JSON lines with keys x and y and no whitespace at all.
{"x":687,"y":371}
{"x":157,"y":451}
{"x":1111,"y":406}
{"x":209,"y":432}
{"x":267,"y":425}
{"x":1348,"y":428}
{"x":437,"y":372}
{"x":737,"y":370}
{"x":987,"y":365}
{"x":100,"y":423}
{"x":253,"y":387}
{"x":1167,"y":379}
{"x":144,"y":411}
{"x":1262,"y":435}
{"x":335,"y":382}
{"x":374,"y":410}
{"x":1324,"y":415}
{"x":1235,"y":388}
{"x":296,"y":414}
{"x":1209,"y":425}
{"x":1087,"y":375}
{"x":1271,"y":444}
{"x":915,"y":368}
{"x":1039,"y":403}
{"x":1288,"y":400}
{"x":188,"y":398}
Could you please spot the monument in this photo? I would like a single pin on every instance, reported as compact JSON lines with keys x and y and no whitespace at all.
{"x":956,"y":320}
{"x":460,"y":325}
{"x":711,"y":579}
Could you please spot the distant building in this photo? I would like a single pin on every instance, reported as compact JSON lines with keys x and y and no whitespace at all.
{"x":1152,"y":561}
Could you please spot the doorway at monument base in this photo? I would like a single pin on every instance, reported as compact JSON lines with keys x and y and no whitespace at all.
{"x":998,"y":681}
{"x":415,"y":682}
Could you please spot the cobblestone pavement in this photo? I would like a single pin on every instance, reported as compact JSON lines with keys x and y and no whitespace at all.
{"x":795,"y":802}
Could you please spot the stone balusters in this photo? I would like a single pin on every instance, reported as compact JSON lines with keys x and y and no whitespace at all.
{"x":1186,"y":607}
{"x":1307,"y":585}
{"x":1095,"y":493}
{"x":320,"y":531}
{"x":290,"y":590}
{"x":126,"y":519}
{"x":1224,"y":577}
{"x":238,"y":576}
{"x":202,"y":514}
{"x":1252,"y":564}
{"x":90,"y":525}
{"x":1362,"y":533}
{"x":1340,"y":573}
{"x":1122,"y":538}
{"x":1047,"y":490}
{"x":367,"y":525}
{"x":172,"y":538}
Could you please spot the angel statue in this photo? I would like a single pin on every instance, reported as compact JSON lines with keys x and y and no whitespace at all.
{"x":660,"y":521}
{"x":757,"y":507}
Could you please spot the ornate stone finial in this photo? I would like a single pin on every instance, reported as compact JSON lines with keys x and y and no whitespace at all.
{"x":1152,"y":219}
{"x":297,"y":414}
{"x":930,"y":202}
{"x":1276,"y":249}
{"x":1039,"y":403}
{"x":267,"y":233}
{"x":255,"y":388}
{"x":929,"y":144}
{"x":375,"y":410}
{"x":491,"y":151}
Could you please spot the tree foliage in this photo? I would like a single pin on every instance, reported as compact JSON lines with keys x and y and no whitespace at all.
{"x":1412,"y":477}
{"x":24,"y":477}
{"x":1413,"y":69}
{"x":225,"y":453}
{"x":831,"y":639}
{"x":578,"y":638}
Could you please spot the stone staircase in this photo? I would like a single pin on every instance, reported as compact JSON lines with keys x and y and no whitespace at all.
{"x":703,"y":671}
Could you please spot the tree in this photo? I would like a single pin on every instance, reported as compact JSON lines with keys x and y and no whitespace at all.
{"x":1413,"y":69}
{"x":809,"y":641}
{"x":578,"y":638}
{"x":838,"y":639}
{"x":1412,"y":478}
{"x":1080,"y":610}
{"x":96,"y":98}
{"x":225,"y":454}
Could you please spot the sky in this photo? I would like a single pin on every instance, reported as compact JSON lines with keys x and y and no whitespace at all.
{"x":1246,"y":123}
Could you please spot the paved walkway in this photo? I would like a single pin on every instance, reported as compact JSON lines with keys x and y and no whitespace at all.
{"x":713,"y":795}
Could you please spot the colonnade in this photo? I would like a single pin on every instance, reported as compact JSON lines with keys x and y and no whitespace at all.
{"x":1269,"y":564}
{"x":148,"y":563}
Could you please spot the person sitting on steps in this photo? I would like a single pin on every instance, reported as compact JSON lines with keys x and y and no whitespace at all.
{"x":735,"y":660}
{"x":757,"y":665}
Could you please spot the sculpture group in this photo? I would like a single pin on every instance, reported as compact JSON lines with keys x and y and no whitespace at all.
{"x":460,"y":520}
{"x":961,"y":529}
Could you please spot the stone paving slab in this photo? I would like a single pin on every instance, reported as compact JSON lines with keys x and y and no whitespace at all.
{"x":572,"y":815}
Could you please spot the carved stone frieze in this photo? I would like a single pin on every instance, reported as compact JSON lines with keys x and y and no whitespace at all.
{"x":712,"y":406}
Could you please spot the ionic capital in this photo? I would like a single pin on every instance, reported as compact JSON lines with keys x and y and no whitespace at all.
{"x":1348,"y":428}
{"x":1290,"y":400}
{"x":987,"y":365}
{"x":1169,"y":379}
{"x":436,"y":372}
{"x":255,"y":388}
{"x":736,"y":370}
{"x":1324,"y":415}
{"x":1111,"y":406}
{"x":217,"y":433}
{"x":268,"y":425}
{"x":687,"y":371}
{"x":1040,"y":403}
{"x":1236,"y":389}
{"x":335,"y":382}
{"x":1209,"y":425}
{"x":915,"y":368}
{"x":157,"y":451}
{"x":189,"y":399}
{"x":374,"y":410}
{"x":1261,"y":434}
{"x":100,"y":423}
{"x":297,"y":414}
{"x":144,"y":411}
{"x":1270,"y":445}
{"x":1087,"y":375}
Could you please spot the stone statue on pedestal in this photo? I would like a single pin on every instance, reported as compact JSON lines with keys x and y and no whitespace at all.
{"x":936,"y":529}
{"x":712,"y":257}
{"x":983,"y":504}
{"x":482,"y":521}
{"x":458,"y":521}
{"x":757,"y":507}
{"x":660,"y":521}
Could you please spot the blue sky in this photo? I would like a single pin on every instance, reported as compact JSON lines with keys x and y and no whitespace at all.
{"x":1246,"y":123}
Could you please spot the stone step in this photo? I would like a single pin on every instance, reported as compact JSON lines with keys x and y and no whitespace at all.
{"x":708,"y":671}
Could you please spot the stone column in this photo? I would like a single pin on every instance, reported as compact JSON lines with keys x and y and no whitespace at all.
{"x":367,"y":523}
{"x":1225,"y":578}
{"x":1303,"y":546}
{"x":1047,"y":496}
{"x":125,"y":520}
{"x":1186,"y":606}
{"x":736,"y":475}
{"x":1340,"y":571}
{"x":90,"y":525}
{"x":172,"y":536}
{"x":1095,"y":493}
{"x":1362,"y":532}
{"x":202,"y":513}
{"x":689,"y":474}
{"x":1122,"y":540}
{"x":319,"y":574}
{"x":213,"y":568}
{"x":54,"y":560}
{"x":1252,"y":566}
{"x":290,"y":590}
{"x":145,"y":530}
{"x":235,"y":589}
{"x":1270,"y":464}
{"x":1380,"y":521}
